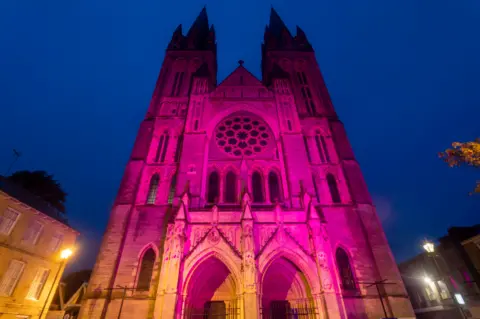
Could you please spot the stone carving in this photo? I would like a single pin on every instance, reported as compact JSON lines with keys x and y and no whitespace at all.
{"x":247,"y":238}
{"x":326,"y":282}
{"x":322,"y":260}
{"x":213,"y":237}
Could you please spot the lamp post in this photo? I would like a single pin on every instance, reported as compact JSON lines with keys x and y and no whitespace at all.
{"x":64,"y":255}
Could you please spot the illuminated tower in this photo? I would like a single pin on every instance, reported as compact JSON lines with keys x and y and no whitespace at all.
{"x":243,"y":199}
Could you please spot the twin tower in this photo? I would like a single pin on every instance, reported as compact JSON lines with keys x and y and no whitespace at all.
{"x":243,"y":199}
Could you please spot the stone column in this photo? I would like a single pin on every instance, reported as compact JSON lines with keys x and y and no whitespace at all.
{"x":250,"y":273}
{"x":329,"y":299}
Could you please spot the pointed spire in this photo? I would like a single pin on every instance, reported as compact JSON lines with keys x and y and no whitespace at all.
{"x":301,"y":41}
{"x":177,"y":41}
{"x":276,"y":24}
{"x":247,"y":212}
{"x":181,"y":214}
{"x":201,"y":23}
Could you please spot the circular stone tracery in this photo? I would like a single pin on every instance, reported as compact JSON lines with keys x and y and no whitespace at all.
{"x":242,"y":136}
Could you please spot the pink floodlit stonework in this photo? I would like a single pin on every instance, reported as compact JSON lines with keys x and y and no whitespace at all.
{"x":243,"y":199}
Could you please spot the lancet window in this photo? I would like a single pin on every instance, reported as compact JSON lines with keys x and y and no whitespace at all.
{"x":333,"y":187}
{"x":213,"y":187}
{"x":231,"y":187}
{"x":146,"y":270}
{"x":307,"y":148}
{"x":306,"y":93}
{"x":177,"y":84}
{"x":315,"y":187}
{"x":274,"y":187}
{"x":162,"y":147}
{"x":345,"y":270}
{"x":152,"y":190}
{"x":257,"y":188}
{"x":173,"y":186}
{"x":322,"y":147}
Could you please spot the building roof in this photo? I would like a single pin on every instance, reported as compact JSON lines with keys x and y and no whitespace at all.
{"x":27,"y":198}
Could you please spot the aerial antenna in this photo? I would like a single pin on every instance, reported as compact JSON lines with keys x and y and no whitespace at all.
{"x":16,"y":155}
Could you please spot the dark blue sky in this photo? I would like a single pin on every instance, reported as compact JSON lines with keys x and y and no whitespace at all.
{"x":76,"y":78}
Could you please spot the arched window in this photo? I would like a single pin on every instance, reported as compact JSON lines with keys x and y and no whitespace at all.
{"x":322,"y":148}
{"x":332,"y":185}
{"x":159,"y":148}
{"x":173,"y":186}
{"x":213,"y":187}
{"x":274,"y":187}
{"x":146,"y":270}
{"x":345,"y":270}
{"x":152,"y":190}
{"x":257,"y":188}
{"x":231,"y":188}
{"x":162,"y":147}
{"x":307,"y":148}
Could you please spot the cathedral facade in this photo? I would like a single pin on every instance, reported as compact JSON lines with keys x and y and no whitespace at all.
{"x":243,"y":199}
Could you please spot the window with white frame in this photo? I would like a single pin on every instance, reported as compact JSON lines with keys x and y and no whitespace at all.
{"x":38,"y":283}
{"x":55,"y":242}
{"x":8,"y":221}
{"x":11,"y":277}
{"x":33,"y":233}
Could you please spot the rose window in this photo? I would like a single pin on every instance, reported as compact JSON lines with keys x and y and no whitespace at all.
{"x":242,"y":135}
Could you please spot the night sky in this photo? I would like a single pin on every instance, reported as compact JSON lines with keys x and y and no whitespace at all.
{"x":76,"y":78}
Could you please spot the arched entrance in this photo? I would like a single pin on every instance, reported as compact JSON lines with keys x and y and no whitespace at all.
{"x":211,"y":292}
{"x":285,"y":292}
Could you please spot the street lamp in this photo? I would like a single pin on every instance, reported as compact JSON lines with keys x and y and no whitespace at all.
{"x":429,"y":247}
{"x":64,"y":255}
{"x":427,"y":280}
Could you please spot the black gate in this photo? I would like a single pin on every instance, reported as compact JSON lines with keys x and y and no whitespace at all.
{"x":290,"y":309}
{"x":213,"y":310}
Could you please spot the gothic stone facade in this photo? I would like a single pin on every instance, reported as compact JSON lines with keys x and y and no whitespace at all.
{"x":243,"y":199}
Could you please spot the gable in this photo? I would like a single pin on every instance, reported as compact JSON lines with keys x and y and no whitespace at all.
{"x":241,"y":77}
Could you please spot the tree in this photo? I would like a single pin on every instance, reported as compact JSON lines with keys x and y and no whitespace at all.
{"x":43,"y":185}
{"x":467,"y":153}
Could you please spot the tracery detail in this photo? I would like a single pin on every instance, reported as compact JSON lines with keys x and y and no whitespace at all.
{"x":242,"y":136}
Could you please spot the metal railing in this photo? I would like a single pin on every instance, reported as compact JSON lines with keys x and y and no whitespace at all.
{"x":289,"y":309}
{"x":226,"y":309}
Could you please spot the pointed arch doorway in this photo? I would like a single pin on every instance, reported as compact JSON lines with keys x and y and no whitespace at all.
{"x":211,"y":292}
{"x":286,"y":293}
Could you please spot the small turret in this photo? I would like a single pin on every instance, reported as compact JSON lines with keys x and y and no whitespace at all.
{"x":278,"y":37}
{"x":200,"y":36}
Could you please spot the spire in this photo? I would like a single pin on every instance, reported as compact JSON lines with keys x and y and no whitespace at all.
{"x":276,"y":25}
{"x":200,"y":23}
{"x":201,"y":36}
{"x":177,"y":41}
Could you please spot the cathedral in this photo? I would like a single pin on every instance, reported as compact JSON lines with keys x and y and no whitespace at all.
{"x":243,"y":199}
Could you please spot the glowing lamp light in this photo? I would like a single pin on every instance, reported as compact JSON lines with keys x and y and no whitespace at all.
{"x":427,"y":280}
{"x":66,"y":253}
{"x":429,"y":247}
{"x":459,"y":299}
